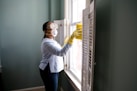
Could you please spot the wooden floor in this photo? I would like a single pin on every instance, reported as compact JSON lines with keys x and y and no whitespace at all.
{"x":41,"y":88}
{"x":34,"y":90}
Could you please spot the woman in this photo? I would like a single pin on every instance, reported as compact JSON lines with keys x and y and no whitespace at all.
{"x":52,"y":55}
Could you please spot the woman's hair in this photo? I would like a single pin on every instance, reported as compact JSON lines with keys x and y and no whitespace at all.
{"x":45,"y":27}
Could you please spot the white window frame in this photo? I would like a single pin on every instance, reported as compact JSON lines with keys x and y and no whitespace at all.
{"x":67,"y":16}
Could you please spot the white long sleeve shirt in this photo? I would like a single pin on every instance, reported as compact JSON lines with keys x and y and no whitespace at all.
{"x":52,"y":53}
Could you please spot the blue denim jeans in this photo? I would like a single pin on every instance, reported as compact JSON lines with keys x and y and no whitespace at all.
{"x":50,"y":79}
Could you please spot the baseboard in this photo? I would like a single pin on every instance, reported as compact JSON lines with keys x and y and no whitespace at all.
{"x":40,"y":88}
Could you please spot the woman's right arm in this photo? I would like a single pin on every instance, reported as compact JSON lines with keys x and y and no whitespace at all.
{"x":50,"y":47}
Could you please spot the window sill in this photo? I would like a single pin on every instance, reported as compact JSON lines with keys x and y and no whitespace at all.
{"x":73,"y":80}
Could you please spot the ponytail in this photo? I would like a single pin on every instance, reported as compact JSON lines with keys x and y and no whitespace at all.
{"x":44,"y":36}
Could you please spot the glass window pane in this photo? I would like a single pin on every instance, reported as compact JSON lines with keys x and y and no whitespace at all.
{"x":77,"y":8}
{"x":76,"y":58}
{"x":76,"y":50}
{"x":74,"y":10}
